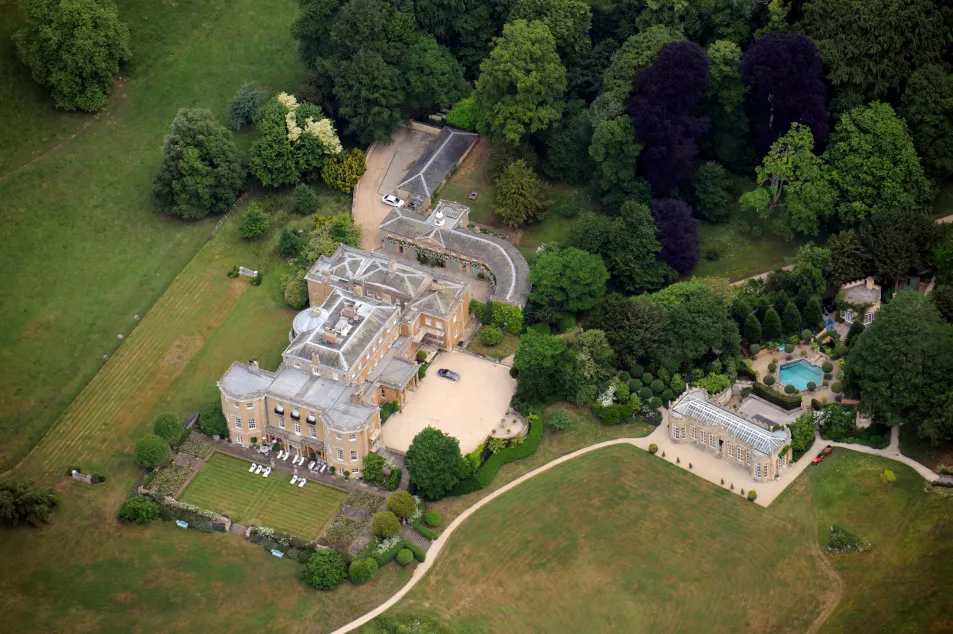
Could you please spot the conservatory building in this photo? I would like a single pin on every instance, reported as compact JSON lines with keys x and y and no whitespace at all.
{"x":727,"y":435}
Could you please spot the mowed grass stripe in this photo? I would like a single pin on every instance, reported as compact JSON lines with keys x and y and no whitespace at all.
{"x":225,"y":485}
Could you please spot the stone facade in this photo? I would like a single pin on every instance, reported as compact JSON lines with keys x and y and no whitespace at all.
{"x":746,"y":444}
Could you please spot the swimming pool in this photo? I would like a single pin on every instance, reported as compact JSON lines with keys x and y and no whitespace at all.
{"x":799,"y":373}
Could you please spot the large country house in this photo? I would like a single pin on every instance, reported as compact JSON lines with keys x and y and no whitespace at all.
{"x":351,"y":351}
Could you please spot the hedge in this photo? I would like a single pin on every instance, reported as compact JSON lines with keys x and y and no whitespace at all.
{"x":745,"y":371}
{"x":404,"y":556}
{"x":389,"y":555}
{"x":488,"y":470}
{"x":781,"y":400}
{"x":423,"y":530}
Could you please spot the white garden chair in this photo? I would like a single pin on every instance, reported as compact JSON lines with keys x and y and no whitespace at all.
{"x":267,"y":471}
{"x":304,"y":481}
{"x":294,"y":479}
{"x":311,"y":466}
{"x":252,"y":467}
{"x":260,"y":468}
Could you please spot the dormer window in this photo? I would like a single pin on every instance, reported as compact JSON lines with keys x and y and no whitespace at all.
{"x":311,"y":418}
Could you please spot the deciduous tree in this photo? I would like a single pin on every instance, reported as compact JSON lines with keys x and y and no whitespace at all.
{"x":783,"y":73}
{"x":434,"y":78}
{"x":678,"y":233}
{"x":544,"y":363}
{"x":567,"y":146}
{"x":521,"y":83}
{"x":343,"y":171}
{"x":771,"y":329}
{"x":242,"y":110}
{"x":74,"y":48}
{"x":567,"y":20}
{"x":927,"y":107}
{"x":369,"y":96}
{"x":152,"y":452}
{"x":849,"y":259}
{"x":434,"y":462}
{"x":896,"y":241}
{"x":712,"y":185}
{"x":723,"y":103}
{"x":873,"y":164}
{"x":570,"y":279}
{"x":20,"y":500}
{"x":325,"y":570}
{"x":521,"y":197}
{"x":168,"y":427}
{"x":752,"y":329}
{"x":201,"y":170}
{"x":634,"y":326}
{"x":695,"y":327}
{"x":802,"y":433}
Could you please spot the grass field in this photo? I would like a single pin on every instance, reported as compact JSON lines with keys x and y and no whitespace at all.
{"x":618,"y":541}
{"x":224,"y":485}
{"x":505,"y":348}
{"x":86,"y":252}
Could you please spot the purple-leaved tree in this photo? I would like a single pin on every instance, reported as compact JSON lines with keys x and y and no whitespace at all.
{"x":783,"y":71}
{"x":678,"y":233}
{"x":661,"y":111}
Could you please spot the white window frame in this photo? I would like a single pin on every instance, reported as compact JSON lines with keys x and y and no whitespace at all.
{"x":849,"y":316}
{"x":314,"y":431}
{"x":281,"y":422}
{"x":675,"y":431}
{"x":757,"y":470}
{"x":868,"y":317}
{"x":354,"y":456}
{"x":238,"y":423}
{"x":235,"y":404}
{"x":251,"y":423}
{"x":439,"y":325}
{"x":298,"y":428}
{"x":352,"y":437}
{"x":314,"y":370}
{"x":428,"y":321}
{"x":238,"y":439}
{"x":747,"y":457}
{"x":711,"y":440}
{"x":731,"y":450}
{"x":337,"y":436}
{"x":341,"y":455}
{"x":249,"y":406}
{"x":694,"y":433}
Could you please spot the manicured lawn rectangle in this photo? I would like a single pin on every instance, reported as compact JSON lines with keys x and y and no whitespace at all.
{"x":505,"y":348}
{"x":225,"y":485}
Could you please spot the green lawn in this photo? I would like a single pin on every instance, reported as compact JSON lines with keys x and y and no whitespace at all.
{"x":619,"y":541}
{"x":225,"y":486}
{"x":505,"y":348}
{"x":87,"y":253}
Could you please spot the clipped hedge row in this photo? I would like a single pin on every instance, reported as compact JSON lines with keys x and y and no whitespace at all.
{"x":783,"y":401}
{"x":390,"y":555}
{"x":424,"y":530}
{"x":488,"y":470}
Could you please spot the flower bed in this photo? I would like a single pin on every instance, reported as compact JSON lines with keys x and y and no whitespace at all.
{"x":168,"y":480}
{"x":364,"y":500}
{"x":341,"y":532}
{"x":197,"y":447}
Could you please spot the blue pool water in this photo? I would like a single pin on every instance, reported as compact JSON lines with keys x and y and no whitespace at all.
{"x":799,"y":373}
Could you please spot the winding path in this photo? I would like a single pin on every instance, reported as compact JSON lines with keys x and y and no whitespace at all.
{"x":892,"y":452}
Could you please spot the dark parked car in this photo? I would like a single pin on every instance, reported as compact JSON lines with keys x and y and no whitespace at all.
{"x":447,"y":374}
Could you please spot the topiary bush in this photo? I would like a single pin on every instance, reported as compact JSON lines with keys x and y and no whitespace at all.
{"x":789,"y":389}
{"x":752,"y":496}
{"x":645,"y":393}
{"x":404,"y":556}
{"x":815,"y":405}
{"x":769,"y":379}
{"x":789,"y":348}
{"x":636,"y":371}
{"x":811,"y":385}
{"x":152,"y":452}
{"x":653,"y":449}
{"x":772,"y":366}
{"x":837,"y":388}
{"x":421,"y":356}
{"x":657,"y":386}
{"x":625,"y":377}
{"x":325,"y":570}
{"x":138,"y":510}
{"x":667,"y":395}
{"x":806,"y":335}
{"x":212,"y":422}
{"x":401,"y":504}
{"x":385,"y":524}
{"x":559,"y":419}
{"x":433,"y":519}
{"x":655,"y":402}
{"x":647,"y":378}
{"x":167,"y":427}
{"x":490,"y":335}
{"x":840,"y":351}
{"x":393,"y":480}
{"x":362,"y":570}
{"x":827,"y":367}
{"x":635,"y":385}
{"x":754,"y":348}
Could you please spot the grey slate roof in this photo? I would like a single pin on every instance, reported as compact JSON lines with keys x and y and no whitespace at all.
{"x":353,"y":265}
{"x":301,"y":389}
{"x":763,"y":442}
{"x":433,"y":166}
{"x":508,"y":265}
{"x":344,"y":355}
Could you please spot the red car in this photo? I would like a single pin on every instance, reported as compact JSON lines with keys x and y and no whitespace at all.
{"x":826,"y":451}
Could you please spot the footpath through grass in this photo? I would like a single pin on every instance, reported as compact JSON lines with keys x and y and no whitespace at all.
{"x":84,"y":251}
{"x":225,"y":485}
{"x":617,"y":540}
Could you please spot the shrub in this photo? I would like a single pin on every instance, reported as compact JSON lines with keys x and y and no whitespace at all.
{"x":634,"y":386}
{"x":647,"y":378}
{"x":752,"y":496}
{"x":840,"y":351}
{"x":614,"y":414}
{"x":490,"y":335}
{"x":139,"y":510}
{"x":463,"y":114}
{"x":781,"y":400}
{"x":342,"y":171}
{"x":815,"y":405}
{"x":636,"y":371}
{"x":99,"y":477}
{"x":769,"y":379}
{"x":655,"y":402}
{"x":789,"y":389}
{"x":811,"y":385}
{"x":421,"y":356}
{"x":625,"y":377}
{"x":827,"y":367}
{"x":167,"y":427}
{"x":514,"y":372}
{"x":385,"y":524}
{"x":772,"y":367}
{"x":645,"y":393}
{"x":667,"y":395}
{"x":433,"y":518}
{"x":152,"y":452}
{"x":888,"y":476}
{"x":373,"y":468}
{"x":362,"y":570}
{"x":254,"y":222}
{"x":657,"y":386}
{"x":488,"y":470}
{"x":788,"y":348}
{"x":837,"y":388}
{"x":242,"y":110}
{"x":325,"y":570}
{"x":653,"y":449}
{"x":806,"y":335}
{"x":843,"y":540}
{"x":404,"y":556}
{"x":401,"y":504}
{"x":305,"y":200}
{"x":754,"y":348}
{"x":559,"y":419}
{"x":212,"y":422}
{"x":393,"y":480}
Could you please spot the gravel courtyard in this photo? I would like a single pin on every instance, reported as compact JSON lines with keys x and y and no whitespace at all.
{"x":466,"y":409}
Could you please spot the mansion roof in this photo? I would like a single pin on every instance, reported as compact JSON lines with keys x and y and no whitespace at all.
{"x":442,"y":229}
{"x":299,"y":388}
{"x":762,"y":441}
{"x":433,"y":166}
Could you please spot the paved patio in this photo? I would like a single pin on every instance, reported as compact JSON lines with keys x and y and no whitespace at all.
{"x":763,"y":360}
{"x":467,"y":409}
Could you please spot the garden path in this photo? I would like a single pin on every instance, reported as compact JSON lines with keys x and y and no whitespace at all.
{"x":891,"y":451}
